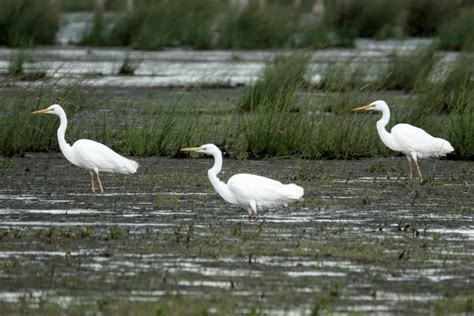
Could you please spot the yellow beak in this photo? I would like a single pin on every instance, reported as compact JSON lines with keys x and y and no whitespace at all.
{"x":41,"y":111}
{"x":190,"y":149}
{"x":363,"y":108}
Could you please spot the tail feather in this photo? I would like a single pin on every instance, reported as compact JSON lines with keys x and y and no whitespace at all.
{"x":444,"y":146}
{"x":128,"y":166}
{"x":295,"y":192}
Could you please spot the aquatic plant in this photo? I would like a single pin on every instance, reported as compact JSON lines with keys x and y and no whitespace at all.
{"x":423,"y":18}
{"x":279,"y":85}
{"x":406,"y":70}
{"x":363,"y":18}
{"x":254,"y":27}
{"x":27,"y":22}
{"x":457,"y":34}
{"x":153,"y":26}
{"x":128,"y":66}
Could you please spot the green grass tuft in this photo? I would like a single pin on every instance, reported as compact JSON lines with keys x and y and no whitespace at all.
{"x":26,"y":23}
{"x":256,"y":28}
{"x":278,"y":88}
{"x":457,"y":34}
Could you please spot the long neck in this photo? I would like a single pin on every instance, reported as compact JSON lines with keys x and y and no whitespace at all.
{"x":66,"y":149}
{"x":385,"y":136}
{"x":218,"y":185}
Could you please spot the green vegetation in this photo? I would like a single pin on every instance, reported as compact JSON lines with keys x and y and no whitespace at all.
{"x":155,"y":26}
{"x":211,"y":24}
{"x":278,"y":89}
{"x":424,"y":17}
{"x":276,"y":117}
{"x":363,"y":18}
{"x":457,"y":34}
{"x":256,"y":28}
{"x":406,"y":71}
{"x":27,"y":22}
{"x":88,"y":5}
{"x":16,"y":68}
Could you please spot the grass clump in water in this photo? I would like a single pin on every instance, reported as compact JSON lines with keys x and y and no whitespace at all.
{"x":256,"y":27}
{"x":278,"y":88}
{"x":129,"y":66}
{"x":153,"y":26}
{"x":16,"y":68}
{"x":27,"y":22}
{"x":362,"y":18}
{"x":22,"y":131}
{"x":457,"y":34}
{"x":406,"y":71}
{"x":423,"y":17}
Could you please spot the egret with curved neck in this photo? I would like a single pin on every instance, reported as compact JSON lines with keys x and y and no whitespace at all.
{"x":89,"y":154}
{"x":250,"y":191}
{"x":412,"y":141}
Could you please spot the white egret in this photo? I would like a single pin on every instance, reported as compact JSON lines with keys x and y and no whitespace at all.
{"x":412,"y":141}
{"x":251,"y":191}
{"x":89,"y":154}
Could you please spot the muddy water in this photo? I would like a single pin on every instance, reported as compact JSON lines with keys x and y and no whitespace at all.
{"x":363,"y":240}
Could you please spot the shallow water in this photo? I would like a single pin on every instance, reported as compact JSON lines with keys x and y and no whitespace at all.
{"x":375,"y":244}
{"x":99,"y":67}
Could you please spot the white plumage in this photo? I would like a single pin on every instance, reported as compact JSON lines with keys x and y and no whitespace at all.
{"x":92,"y":154}
{"x":412,"y":141}
{"x":251,"y":191}
{"x":89,"y":154}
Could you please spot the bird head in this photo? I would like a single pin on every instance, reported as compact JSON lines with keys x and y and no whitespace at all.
{"x":53,"y":109}
{"x":378,"y":105}
{"x":208,"y":149}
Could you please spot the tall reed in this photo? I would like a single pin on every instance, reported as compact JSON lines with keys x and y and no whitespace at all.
{"x":27,"y":22}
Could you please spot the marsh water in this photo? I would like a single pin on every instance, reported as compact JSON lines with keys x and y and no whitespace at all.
{"x":364,"y":239}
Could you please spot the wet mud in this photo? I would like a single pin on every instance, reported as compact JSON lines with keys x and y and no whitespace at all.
{"x":364,"y":240}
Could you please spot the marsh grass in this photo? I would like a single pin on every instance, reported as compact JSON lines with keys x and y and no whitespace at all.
{"x":16,"y":68}
{"x":424,"y":17}
{"x":128,"y":66}
{"x":22,"y":131}
{"x":457,"y":34}
{"x":405,"y":71}
{"x":16,"y":64}
{"x":309,"y":133}
{"x":452,"y":91}
{"x":88,"y":5}
{"x":27,"y":22}
{"x":363,"y":18}
{"x":279,"y":85}
{"x":341,"y":77}
{"x":282,"y":118}
{"x":256,"y":28}
{"x":153,"y":26}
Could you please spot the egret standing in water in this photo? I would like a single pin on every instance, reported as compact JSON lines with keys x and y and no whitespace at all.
{"x":89,"y":154}
{"x":412,"y":141}
{"x":248,"y":190}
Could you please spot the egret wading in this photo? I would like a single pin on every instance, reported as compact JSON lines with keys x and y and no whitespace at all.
{"x":250,"y":191}
{"x":89,"y":154}
{"x":412,"y":141}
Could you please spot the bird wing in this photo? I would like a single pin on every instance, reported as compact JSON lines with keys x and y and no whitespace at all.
{"x":264,"y":191}
{"x":91,"y":154}
{"x":414,"y":139}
